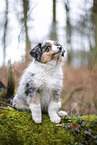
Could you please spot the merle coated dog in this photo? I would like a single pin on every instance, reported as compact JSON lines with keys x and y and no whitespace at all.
{"x":41,"y":83}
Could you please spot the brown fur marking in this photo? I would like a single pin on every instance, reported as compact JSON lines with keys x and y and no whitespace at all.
{"x":49,"y":44}
{"x":47,"y":56}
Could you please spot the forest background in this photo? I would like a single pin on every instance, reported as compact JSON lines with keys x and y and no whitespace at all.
{"x":24,"y":23}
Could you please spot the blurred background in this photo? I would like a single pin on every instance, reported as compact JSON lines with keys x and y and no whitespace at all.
{"x":24,"y":23}
{"x":73,"y":23}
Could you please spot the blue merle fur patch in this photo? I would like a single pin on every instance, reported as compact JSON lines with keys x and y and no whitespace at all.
{"x":29,"y":89}
{"x":38,"y":50}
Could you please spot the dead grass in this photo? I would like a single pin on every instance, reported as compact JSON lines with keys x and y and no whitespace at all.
{"x":82,"y":101}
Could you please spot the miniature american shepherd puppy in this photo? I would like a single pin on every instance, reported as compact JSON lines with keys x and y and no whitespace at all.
{"x":41,"y":83}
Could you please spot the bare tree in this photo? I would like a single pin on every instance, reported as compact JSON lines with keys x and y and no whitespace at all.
{"x":95,"y":20}
{"x":68,"y":30}
{"x":5,"y":30}
{"x":25,"y":19}
{"x":54,"y":10}
{"x":95,"y":39}
{"x":95,"y":5}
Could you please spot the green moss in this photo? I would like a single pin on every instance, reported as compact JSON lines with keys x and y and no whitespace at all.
{"x":18,"y":128}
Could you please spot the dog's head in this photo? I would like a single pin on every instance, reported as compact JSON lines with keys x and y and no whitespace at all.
{"x":47,"y":50}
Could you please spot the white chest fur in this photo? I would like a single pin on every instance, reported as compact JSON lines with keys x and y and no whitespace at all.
{"x":47,"y":78}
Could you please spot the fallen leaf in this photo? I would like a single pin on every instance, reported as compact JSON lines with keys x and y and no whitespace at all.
{"x":75,"y":125}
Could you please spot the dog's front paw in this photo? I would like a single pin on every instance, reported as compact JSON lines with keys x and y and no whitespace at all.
{"x":55,"y":119}
{"x":36,"y":112}
{"x":62,"y":113}
{"x":37,"y":120}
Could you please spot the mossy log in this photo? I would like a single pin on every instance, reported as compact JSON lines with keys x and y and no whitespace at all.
{"x":18,"y":128}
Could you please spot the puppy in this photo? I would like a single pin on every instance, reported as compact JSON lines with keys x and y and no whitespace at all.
{"x":41,"y":83}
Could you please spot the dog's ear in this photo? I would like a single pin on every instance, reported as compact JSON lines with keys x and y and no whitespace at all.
{"x":36,"y":52}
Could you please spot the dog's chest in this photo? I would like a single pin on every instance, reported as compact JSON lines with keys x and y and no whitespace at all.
{"x":48,"y":79}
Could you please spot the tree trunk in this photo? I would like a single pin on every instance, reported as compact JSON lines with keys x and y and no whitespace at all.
{"x":68,"y":31}
{"x":95,"y":5}
{"x":5,"y":30}
{"x":96,"y":39}
{"x":95,"y":21}
{"x":25,"y":12}
{"x":54,"y":10}
{"x":11,"y":81}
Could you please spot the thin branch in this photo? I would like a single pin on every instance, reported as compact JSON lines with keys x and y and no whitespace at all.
{"x":8,"y":99}
{"x":69,"y":96}
{"x":82,"y":103}
{"x":24,"y":26}
{"x":73,"y":107}
{"x":5,"y":104}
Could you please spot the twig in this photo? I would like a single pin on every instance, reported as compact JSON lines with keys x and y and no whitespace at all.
{"x":78,"y":101}
{"x":5,"y":104}
{"x":8,"y":99}
{"x":73,"y":107}
{"x":24,"y":25}
{"x":68,"y":96}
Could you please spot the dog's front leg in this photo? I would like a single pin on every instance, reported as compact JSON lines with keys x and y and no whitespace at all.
{"x":53,"y":108}
{"x":52,"y":111}
{"x":35,"y":108}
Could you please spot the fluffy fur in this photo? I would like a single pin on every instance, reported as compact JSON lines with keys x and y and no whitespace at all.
{"x":41,"y":83}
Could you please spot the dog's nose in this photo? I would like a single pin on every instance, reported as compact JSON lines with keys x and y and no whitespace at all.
{"x":60,"y":48}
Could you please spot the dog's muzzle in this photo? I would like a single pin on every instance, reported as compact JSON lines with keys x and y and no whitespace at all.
{"x":60,"y":51}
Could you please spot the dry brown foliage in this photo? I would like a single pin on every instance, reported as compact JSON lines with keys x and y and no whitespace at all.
{"x":82,"y":101}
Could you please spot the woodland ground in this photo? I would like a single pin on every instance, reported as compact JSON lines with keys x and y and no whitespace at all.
{"x":81,"y":81}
